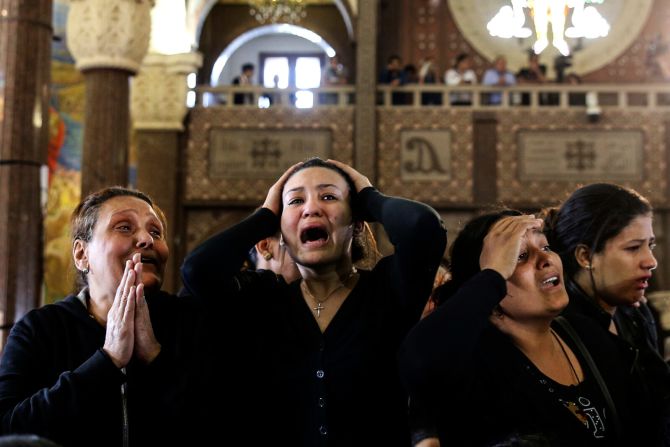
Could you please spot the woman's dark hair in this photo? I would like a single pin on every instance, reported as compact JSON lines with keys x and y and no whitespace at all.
{"x":85,"y":215}
{"x":466,"y":249}
{"x":591,"y":216}
{"x":364,"y":244}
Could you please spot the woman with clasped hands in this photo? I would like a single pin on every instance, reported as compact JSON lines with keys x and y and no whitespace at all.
{"x":96,"y":368}
{"x":491,"y":364}
{"x":320,"y":352}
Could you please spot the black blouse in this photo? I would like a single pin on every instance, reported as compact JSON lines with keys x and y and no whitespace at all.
{"x":480,"y":389}
{"x":294,"y":384}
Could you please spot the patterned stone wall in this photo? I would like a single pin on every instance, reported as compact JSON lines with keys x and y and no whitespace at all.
{"x":513,"y":190}
{"x":200,"y":186}
{"x":397,"y":164}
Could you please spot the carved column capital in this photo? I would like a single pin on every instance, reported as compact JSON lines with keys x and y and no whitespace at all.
{"x":158,"y":97}
{"x":109,"y":33}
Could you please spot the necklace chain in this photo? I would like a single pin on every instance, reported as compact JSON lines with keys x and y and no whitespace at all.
{"x":565,"y":354}
{"x":319,"y":303}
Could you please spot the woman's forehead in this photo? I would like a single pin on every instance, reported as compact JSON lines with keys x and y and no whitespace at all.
{"x":125,"y":205}
{"x":314,"y":177}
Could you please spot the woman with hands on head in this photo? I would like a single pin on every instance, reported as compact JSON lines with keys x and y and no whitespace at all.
{"x":97,"y":368}
{"x":490,"y":364}
{"x":321,"y":350}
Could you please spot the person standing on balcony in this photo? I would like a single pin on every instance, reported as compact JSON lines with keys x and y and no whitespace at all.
{"x":534,"y":74}
{"x":428,"y":75}
{"x":335,"y":73}
{"x":395,"y":76}
{"x":244,"y":79}
{"x":461,"y":74}
{"x":499,"y":75}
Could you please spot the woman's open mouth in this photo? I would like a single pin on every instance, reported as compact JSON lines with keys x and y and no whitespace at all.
{"x":551,"y":281}
{"x":314,"y":236}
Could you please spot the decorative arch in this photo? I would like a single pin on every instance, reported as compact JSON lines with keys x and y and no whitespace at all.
{"x":283,"y":28}
{"x":199,"y":9}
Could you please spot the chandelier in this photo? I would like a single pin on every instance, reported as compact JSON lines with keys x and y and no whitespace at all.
{"x":586,"y":22}
{"x":277,"y":11}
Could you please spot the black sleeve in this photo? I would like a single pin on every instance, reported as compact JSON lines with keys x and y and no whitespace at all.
{"x":419,"y":240}
{"x":441,"y":347}
{"x":213,"y":265}
{"x":56,"y":410}
{"x":421,"y":420}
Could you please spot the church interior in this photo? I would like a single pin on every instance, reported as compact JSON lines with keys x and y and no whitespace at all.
{"x":153,"y":94}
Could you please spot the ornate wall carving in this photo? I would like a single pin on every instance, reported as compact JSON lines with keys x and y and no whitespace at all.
{"x":251,"y":191}
{"x":200,"y":224}
{"x":512,"y":190}
{"x":392,"y":123}
{"x":109,"y":33}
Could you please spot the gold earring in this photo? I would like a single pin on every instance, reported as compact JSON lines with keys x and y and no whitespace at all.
{"x":588,"y":267}
{"x":267,"y":255}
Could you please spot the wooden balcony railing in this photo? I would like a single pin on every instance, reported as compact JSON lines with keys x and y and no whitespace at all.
{"x":648,"y":96}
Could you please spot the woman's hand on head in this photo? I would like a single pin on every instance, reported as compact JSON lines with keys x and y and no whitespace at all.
{"x":146,"y":347}
{"x":428,"y":442}
{"x":120,"y":332}
{"x":273,"y":200}
{"x":360,"y":181}
{"x":502,"y":244}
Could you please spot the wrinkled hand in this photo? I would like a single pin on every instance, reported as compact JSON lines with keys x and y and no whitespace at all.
{"x":273,"y":200}
{"x":120,"y":334}
{"x":502,"y":244}
{"x":360,"y":181}
{"x":146,"y":347}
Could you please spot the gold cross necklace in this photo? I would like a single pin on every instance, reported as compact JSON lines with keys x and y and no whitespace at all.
{"x":319,"y":303}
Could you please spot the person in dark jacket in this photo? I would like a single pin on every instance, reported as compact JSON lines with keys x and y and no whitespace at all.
{"x":604,"y":235}
{"x":491,"y":364}
{"x":100,"y":367}
{"x":320,"y":352}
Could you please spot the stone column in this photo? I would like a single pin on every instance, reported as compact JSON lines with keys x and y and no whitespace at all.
{"x":108,"y":39}
{"x":485,"y":158}
{"x":25,"y":63}
{"x":366,"y":86}
{"x":158,"y":104}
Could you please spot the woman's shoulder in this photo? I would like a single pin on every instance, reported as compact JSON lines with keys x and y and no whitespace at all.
{"x":60,"y":313}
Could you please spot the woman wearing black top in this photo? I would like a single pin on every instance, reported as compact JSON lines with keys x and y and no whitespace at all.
{"x":489,"y":364}
{"x":101,"y":367}
{"x":319,"y":353}
{"x":604,"y":235}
